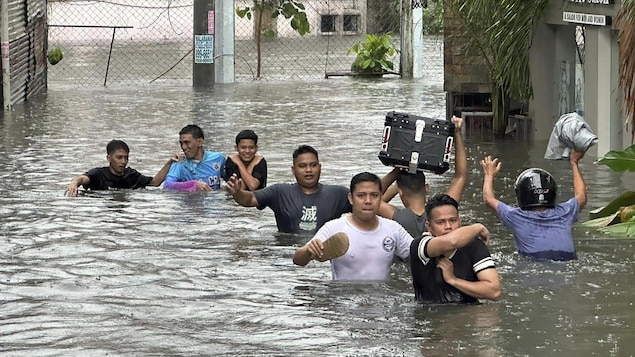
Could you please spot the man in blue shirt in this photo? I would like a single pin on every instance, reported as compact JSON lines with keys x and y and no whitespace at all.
{"x":200,"y":170}
{"x":541,"y":228}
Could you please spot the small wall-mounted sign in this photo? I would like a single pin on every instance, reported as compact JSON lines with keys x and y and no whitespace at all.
{"x":587,"y":19}
{"x":203,"y":49}
{"x":597,"y":2}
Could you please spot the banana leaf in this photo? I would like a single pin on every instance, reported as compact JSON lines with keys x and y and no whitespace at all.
{"x":620,"y":161}
{"x":625,"y":199}
{"x":623,"y":229}
{"x":603,"y":221}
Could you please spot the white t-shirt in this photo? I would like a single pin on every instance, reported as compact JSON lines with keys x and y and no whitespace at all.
{"x":370,"y":253}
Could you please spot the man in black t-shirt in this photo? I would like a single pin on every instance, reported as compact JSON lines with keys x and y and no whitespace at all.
{"x":117,"y":175}
{"x":451,"y":264}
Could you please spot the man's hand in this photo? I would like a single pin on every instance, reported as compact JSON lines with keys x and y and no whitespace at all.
{"x":315,"y":247}
{"x":484,"y":234}
{"x":202,"y":186}
{"x":236,"y":159}
{"x":458,"y":123}
{"x":447,"y":268}
{"x":234,"y":184}
{"x":71,"y":190}
{"x":177,"y":157}
{"x":491,"y":167}
{"x":575,"y":156}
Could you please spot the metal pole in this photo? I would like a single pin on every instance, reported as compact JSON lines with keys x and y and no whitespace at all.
{"x":203,"y":26}
{"x":110,"y":54}
{"x":225,"y":72}
{"x":6,"y":65}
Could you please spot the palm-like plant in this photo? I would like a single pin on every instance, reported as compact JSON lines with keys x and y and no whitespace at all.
{"x":501,"y":31}
{"x":625,"y":23}
{"x":373,"y":55}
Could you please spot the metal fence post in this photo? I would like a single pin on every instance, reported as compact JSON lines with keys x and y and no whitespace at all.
{"x":203,"y":66}
{"x":6,"y":65}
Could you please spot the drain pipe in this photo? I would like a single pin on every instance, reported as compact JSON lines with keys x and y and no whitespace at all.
{"x":6,"y":66}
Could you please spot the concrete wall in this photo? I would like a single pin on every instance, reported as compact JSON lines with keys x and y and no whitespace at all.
{"x":602,"y":94}
{"x":314,"y":10}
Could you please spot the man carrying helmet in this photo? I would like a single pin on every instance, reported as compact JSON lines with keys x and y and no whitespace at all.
{"x":541,"y":228}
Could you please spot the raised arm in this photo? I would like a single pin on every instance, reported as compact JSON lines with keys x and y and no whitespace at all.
{"x":487,"y":286}
{"x":246,"y":173}
{"x":77,"y":181}
{"x":491,"y":167}
{"x":579,"y":186}
{"x":387,"y":181}
{"x":456,"y":239}
{"x":389,"y":191}
{"x":242,"y":197}
{"x":160,"y":176}
{"x":457,"y":186}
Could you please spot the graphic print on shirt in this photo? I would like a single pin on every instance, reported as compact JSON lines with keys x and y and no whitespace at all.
{"x":214,"y":181}
{"x":308,"y":221}
{"x":388,"y":244}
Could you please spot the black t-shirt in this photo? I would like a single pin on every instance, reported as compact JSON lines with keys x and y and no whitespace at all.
{"x":259,"y":173}
{"x":102,"y":179}
{"x":428,"y":281}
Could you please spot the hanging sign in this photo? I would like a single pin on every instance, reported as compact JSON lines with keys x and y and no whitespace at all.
{"x":210,"y":22}
{"x":587,"y":19}
{"x":203,"y":49}
{"x":598,"y":2}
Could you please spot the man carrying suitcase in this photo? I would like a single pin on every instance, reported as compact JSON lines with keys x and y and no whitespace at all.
{"x":412,"y":189}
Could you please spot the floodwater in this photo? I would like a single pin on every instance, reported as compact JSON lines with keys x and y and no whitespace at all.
{"x":149,"y":272}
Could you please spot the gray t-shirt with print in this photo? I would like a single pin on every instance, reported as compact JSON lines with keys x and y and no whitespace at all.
{"x":296,"y":211}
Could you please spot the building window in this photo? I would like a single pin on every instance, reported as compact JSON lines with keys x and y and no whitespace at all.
{"x":327,"y":23}
{"x":351,"y":23}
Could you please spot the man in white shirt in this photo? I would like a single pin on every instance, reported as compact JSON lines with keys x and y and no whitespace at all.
{"x":373,"y":241}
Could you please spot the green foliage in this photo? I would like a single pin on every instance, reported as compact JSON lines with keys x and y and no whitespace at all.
{"x":55,"y":56}
{"x":373,"y":55}
{"x":618,"y":216}
{"x":289,"y":9}
{"x":620,"y":161}
{"x":501,"y":31}
{"x":433,"y":18}
{"x":625,"y":199}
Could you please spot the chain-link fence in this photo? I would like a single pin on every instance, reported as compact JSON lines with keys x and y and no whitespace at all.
{"x":123,"y":42}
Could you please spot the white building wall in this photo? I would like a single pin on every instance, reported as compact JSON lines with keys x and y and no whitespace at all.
{"x":314,"y":11}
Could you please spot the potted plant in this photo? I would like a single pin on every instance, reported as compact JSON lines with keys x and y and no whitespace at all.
{"x":373,"y":55}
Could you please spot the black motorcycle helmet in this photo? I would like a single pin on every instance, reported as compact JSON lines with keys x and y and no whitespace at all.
{"x":535,"y":188}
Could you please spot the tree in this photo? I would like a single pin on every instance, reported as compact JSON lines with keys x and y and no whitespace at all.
{"x":290,"y":9}
{"x":625,"y":23}
{"x":501,"y":31}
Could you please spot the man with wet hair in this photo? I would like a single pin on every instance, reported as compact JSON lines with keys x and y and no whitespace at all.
{"x":373,"y":241}
{"x":542,"y":229}
{"x":450,"y":263}
{"x":412,"y":188}
{"x":117,"y":175}
{"x":251,"y":168}
{"x":303,"y":206}
{"x":200,"y":169}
